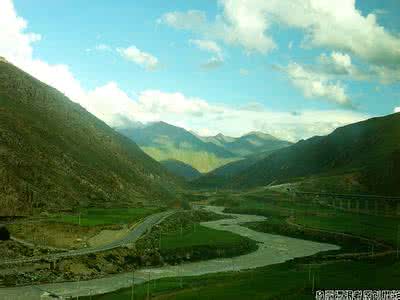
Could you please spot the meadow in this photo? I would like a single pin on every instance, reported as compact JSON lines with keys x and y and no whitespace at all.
{"x":291,"y":280}
{"x":105,"y":216}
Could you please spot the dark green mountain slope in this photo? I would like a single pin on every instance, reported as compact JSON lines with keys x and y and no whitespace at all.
{"x":223,"y":175}
{"x":56,"y":155}
{"x":181,"y":169}
{"x":368,"y":150}
{"x":163,"y":141}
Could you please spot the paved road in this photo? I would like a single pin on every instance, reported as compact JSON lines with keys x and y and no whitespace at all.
{"x":134,"y":235}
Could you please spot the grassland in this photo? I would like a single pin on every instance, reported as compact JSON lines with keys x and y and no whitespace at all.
{"x":182,"y":238}
{"x":199,"y":236}
{"x":109,"y":216}
{"x":291,"y":280}
{"x":305,"y":212}
{"x":75,"y":230}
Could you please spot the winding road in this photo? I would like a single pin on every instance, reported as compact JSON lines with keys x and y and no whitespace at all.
{"x":131,"y":237}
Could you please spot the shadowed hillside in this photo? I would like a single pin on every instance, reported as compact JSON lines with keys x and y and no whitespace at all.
{"x":56,"y":155}
{"x":181,"y":169}
{"x":223,"y":175}
{"x":369,"y":151}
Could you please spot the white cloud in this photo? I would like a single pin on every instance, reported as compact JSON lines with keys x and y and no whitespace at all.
{"x":15,"y":43}
{"x":248,"y":34}
{"x":338,"y":25}
{"x":212,"y":63}
{"x":202,"y":117}
{"x":139,"y":57}
{"x":16,"y":47}
{"x":111,"y":104}
{"x":210,"y":46}
{"x":316,"y":85}
{"x":337,"y":63}
{"x":397,"y":109}
{"x":190,"y":20}
{"x":102,"y":47}
{"x":160,"y":104}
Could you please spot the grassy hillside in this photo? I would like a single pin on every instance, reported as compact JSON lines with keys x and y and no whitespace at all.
{"x":56,"y":155}
{"x":369,"y":150}
{"x":181,"y":169}
{"x":163,"y":141}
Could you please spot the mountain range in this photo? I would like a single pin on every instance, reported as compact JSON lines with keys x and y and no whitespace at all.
{"x":164,"y":141}
{"x":360,"y":157}
{"x":56,"y":155}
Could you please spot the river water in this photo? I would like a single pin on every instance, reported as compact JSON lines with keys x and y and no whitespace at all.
{"x":272,"y":249}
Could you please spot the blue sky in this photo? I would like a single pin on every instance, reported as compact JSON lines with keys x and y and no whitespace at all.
{"x":211,"y":66}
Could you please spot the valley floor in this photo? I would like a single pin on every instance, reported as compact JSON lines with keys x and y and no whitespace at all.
{"x":295,"y":255}
{"x":272,"y":249}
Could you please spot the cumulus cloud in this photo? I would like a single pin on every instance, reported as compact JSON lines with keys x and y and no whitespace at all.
{"x":208,"y":45}
{"x":337,"y":25}
{"x":160,"y":103}
{"x":111,"y":104}
{"x":201,"y":116}
{"x":397,"y":109}
{"x":15,"y":42}
{"x":100,"y":48}
{"x":114,"y":106}
{"x":216,"y":60}
{"x":139,"y":57}
{"x":212,"y":63}
{"x":337,"y":63}
{"x":340,"y":64}
{"x":249,"y":33}
{"x":316,"y":85}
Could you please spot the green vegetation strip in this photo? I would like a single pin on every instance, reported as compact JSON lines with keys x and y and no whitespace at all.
{"x":200,"y":236}
{"x":105,"y":216}
{"x":291,"y":280}
{"x":306,"y":213}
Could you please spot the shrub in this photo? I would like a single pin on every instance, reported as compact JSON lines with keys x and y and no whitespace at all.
{"x":185,"y":205}
{"x":4,"y":233}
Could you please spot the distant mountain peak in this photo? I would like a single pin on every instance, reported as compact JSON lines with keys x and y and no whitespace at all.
{"x":260,"y":134}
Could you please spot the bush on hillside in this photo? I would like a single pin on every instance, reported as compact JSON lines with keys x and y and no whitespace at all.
{"x":4,"y":233}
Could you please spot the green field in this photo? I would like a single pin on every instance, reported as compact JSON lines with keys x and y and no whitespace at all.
{"x":283,"y":281}
{"x":181,"y":238}
{"x":106,"y":216}
{"x":375,"y":227}
{"x":309,"y":214}
{"x":200,"y":236}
